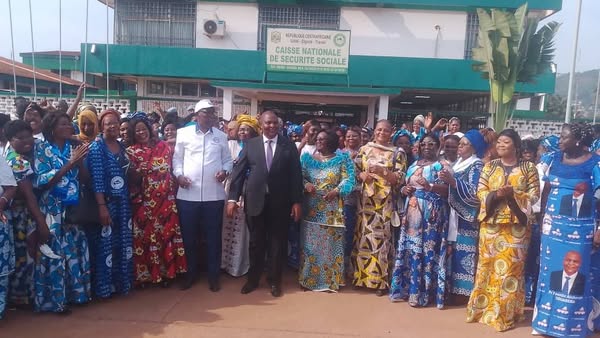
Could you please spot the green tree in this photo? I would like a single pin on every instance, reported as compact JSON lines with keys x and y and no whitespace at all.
{"x":511,"y":50}
{"x":556,"y":105}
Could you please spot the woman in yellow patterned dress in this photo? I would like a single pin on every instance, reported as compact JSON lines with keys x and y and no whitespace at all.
{"x":508,"y":187}
{"x":381,"y":168}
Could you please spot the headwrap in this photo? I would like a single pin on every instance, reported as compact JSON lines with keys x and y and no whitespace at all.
{"x":85,"y":106}
{"x":420,"y":118}
{"x":249,"y":121}
{"x":550,"y":143}
{"x":400,"y":133}
{"x":343,"y":127}
{"x":477,"y":141}
{"x":107,"y":112}
{"x":88,"y":116}
{"x":140,"y":115}
{"x":294,"y":129}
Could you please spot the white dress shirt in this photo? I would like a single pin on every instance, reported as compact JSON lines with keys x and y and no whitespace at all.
{"x":273,"y":144}
{"x":200,"y":156}
{"x":579,"y":200}
{"x":571,"y":280}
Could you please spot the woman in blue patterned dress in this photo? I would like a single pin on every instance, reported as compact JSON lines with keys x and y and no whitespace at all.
{"x":24,"y":213}
{"x":328,"y":177}
{"x":463,"y":228}
{"x":420,"y":272}
{"x":8,"y":189}
{"x":63,"y":280}
{"x":565,"y":303}
{"x":111,"y":243}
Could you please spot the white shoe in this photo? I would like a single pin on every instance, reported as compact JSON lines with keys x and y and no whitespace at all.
{"x":46,"y":251}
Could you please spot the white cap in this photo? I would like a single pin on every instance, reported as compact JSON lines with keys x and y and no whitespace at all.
{"x":203,"y":104}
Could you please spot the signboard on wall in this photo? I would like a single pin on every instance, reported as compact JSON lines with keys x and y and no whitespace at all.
{"x":308,"y":50}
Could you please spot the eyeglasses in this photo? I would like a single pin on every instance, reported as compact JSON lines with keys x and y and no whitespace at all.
{"x":464,"y":144}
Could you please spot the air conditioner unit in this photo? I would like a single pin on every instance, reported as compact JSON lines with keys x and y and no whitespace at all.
{"x":214,"y":28}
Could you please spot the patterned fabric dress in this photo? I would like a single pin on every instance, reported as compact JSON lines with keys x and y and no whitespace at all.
{"x":67,"y":279}
{"x":235,"y":257}
{"x":21,"y":281}
{"x":7,"y":252}
{"x":463,"y":225}
{"x":322,"y":230}
{"x":158,"y":246}
{"x":498,"y":296}
{"x":564,"y":305}
{"x":111,"y":245}
{"x":420,"y":271}
{"x":373,"y":247}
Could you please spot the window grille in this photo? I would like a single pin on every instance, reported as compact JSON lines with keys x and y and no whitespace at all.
{"x":158,"y":23}
{"x":295,"y":17}
{"x":471,"y":35}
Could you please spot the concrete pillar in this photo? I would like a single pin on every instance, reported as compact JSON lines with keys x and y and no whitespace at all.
{"x":371,"y":113}
{"x":384,"y":105}
{"x":227,"y":104}
{"x":253,"y":106}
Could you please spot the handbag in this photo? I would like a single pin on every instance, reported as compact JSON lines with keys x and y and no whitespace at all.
{"x":86,"y":212}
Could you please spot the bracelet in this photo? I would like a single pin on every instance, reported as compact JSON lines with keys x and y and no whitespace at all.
{"x":5,"y":199}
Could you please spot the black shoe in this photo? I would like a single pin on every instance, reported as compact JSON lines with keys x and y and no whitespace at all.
{"x":275,"y":291}
{"x":249,"y":287}
{"x":381,"y":293}
{"x":186,"y":284}
{"x":214,"y":286}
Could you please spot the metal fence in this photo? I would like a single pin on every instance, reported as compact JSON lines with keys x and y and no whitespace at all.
{"x":158,"y":23}
{"x":295,"y":17}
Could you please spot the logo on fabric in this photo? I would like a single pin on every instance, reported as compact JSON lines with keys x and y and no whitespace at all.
{"x":117,"y":182}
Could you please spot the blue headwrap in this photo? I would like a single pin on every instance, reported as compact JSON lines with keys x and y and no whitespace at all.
{"x":400,"y":133}
{"x":477,"y":141}
{"x":294,"y":129}
{"x":550,"y":143}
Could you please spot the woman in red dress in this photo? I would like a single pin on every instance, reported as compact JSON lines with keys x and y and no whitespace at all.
{"x":157,"y":244}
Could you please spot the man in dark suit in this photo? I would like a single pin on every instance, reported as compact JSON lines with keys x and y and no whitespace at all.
{"x":569,"y":281}
{"x":273,"y":192}
{"x":578,"y":204}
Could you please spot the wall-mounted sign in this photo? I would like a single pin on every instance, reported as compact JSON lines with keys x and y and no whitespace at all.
{"x":307,"y":50}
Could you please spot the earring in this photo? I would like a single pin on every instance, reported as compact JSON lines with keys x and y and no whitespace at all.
{"x":577,"y":144}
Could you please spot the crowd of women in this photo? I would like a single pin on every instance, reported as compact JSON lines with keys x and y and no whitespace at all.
{"x":427,"y":215}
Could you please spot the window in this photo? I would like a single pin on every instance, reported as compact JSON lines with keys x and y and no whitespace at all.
{"x":155,"y":87}
{"x":208,"y":91}
{"x":172,"y":88}
{"x":158,"y":23}
{"x":189,"y":89}
{"x":295,"y":17}
{"x":471,"y":35}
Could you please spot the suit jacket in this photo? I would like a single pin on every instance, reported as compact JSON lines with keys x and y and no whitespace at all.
{"x":283,"y":181}
{"x":578,"y":285}
{"x":585,"y":209}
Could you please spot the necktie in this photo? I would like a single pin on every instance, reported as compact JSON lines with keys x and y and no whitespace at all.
{"x":565,"y":288}
{"x":574,"y":208}
{"x":269,"y":154}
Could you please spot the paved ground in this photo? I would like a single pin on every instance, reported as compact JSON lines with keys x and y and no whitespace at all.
{"x":197,"y":312}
